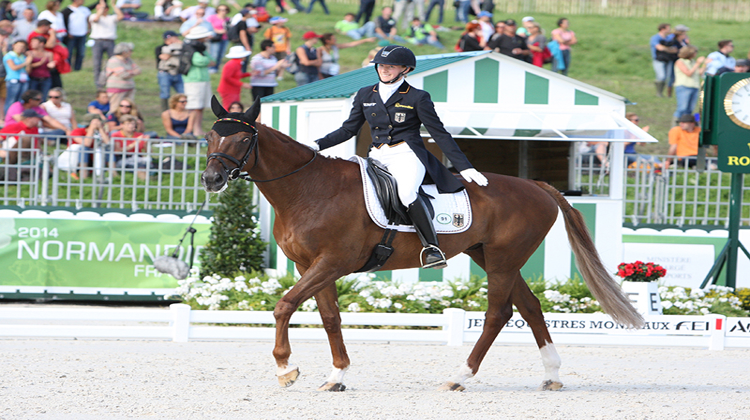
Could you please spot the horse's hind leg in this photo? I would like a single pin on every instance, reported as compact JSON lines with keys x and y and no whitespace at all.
{"x":499,"y":311}
{"x":329,"y":312}
{"x":531,"y":311}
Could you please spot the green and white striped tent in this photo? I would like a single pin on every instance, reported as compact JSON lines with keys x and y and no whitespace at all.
{"x":483,"y":96}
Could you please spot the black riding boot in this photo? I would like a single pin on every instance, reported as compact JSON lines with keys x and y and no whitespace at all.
{"x":420,"y":216}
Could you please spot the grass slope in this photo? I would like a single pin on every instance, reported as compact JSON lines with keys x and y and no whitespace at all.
{"x":612,"y":54}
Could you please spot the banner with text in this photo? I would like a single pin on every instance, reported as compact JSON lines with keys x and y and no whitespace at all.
{"x":96,"y":253}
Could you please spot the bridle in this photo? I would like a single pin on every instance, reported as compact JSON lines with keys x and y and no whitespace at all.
{"x":236,"y":172}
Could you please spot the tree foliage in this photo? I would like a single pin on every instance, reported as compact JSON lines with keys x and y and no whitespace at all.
{"x":234,"y":244}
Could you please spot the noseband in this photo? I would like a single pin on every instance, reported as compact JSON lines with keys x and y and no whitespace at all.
{"x":236,"y":172}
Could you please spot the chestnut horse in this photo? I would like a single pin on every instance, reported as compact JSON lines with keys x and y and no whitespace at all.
{"x":322,"y":225}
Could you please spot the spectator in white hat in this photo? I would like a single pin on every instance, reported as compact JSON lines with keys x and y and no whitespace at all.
{"x":231,"y":85}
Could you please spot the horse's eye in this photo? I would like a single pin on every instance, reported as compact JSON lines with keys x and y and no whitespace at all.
{"x":246,"y":139}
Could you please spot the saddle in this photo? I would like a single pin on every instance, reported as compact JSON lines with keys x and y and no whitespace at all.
{"x":387,"y":192}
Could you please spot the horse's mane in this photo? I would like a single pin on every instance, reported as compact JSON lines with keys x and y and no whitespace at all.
{"x":286,"y":139}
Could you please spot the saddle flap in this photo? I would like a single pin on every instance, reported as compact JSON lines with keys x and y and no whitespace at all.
{"x":387,"y":192}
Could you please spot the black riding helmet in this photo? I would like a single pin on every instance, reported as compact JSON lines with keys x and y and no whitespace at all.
{"x":395,"y":55}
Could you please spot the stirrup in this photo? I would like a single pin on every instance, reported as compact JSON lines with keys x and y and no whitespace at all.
{"x":434,"y":262}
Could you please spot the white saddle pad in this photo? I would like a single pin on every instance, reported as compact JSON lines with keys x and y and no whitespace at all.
{"x":452,"y":211}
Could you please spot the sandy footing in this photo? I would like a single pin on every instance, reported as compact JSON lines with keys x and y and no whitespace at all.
{"x":131,"y":379}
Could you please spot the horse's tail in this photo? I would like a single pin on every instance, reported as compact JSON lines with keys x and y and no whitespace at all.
{"x":611,"y":298}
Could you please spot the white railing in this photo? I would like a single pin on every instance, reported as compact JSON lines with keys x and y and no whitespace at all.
{"x":453,"y":327}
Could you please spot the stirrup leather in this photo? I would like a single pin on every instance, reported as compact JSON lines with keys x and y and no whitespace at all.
{"x":441,"y":263}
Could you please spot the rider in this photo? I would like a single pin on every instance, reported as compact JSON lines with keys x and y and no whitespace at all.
{"x":395,"y":111}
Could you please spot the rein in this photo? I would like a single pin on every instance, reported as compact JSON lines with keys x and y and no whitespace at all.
{"x":237,"y":172}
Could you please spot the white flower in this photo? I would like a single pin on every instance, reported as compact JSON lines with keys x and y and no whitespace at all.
{"x":473,"y":304}
{"x":353,"y":307}
{"x":705,"y":311}
{"x":666,"y":304}
{"x":398,"y":305}
{"x":244,"y":305}
{"x":310,"y":305}
{"x":446,"y":293}
{"x":383,"y":303}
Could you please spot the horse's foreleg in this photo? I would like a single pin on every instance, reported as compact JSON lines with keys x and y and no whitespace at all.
{"x":531,"y":311}
{"x":313,"y":280}
{"x":328,"y":306}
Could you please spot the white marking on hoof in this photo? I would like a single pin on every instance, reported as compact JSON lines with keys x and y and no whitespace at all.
{"x":464,"y":373}
{"x":552,"y":362}
{"x":281,"y":371}
{"x":337,"y":375}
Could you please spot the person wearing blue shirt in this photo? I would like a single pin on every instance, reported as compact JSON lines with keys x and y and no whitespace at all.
{"x":721,"y":59}
{"x":663,"y":70}
{"x":16,"y":78}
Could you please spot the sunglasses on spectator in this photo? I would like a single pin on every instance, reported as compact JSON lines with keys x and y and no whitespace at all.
{"x":182,"y":101}
{"x":54,"y":97}
{"x":126,"y":106}
{"x":635,"y":120}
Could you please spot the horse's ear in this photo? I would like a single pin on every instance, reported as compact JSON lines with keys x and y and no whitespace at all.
{"x":216,"y":107}
{"x":252,"y":113}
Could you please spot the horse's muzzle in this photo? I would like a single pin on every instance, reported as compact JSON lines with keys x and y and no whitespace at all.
{"x":213,"y":180}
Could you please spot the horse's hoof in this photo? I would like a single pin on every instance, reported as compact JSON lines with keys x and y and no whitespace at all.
{"x":550,"y":385}
{"x":332,"y":387}
{"x":288,"y":379}
{"x":451,"y":386}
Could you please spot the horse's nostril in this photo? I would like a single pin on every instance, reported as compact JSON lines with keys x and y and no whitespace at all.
{"x":218,"y":178}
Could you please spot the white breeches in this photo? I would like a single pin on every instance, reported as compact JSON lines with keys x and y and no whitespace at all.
{"x":405,"y":166}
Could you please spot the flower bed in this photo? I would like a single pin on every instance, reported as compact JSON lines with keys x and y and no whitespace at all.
{"x":363,"y":294}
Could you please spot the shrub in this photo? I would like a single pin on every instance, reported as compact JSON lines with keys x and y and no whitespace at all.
{"x":234,"y":245}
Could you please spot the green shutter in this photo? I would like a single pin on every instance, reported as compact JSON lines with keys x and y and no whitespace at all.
{"x":431,"y":274}
{"x":272,"y":245}
{"x":583,"y":98}
{"x":275,"y":118}
{"x":293,"y":121}
{"x":437,"y":85}
{"x":589,"y":216}
{"x":534,"y":267}
{"x":486,"y":81}
{"x":536,"y":90}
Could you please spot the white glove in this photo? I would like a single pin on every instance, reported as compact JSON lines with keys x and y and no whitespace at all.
{"x":472,"y":175}
{"x":315,"y":146}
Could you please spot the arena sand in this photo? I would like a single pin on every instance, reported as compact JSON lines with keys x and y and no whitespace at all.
{"x":133,"y":379}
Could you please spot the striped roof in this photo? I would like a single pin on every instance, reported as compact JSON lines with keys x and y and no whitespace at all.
{"x":346,"y":84}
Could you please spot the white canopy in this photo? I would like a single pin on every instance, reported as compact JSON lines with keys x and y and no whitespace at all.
{"x":541,"y":125}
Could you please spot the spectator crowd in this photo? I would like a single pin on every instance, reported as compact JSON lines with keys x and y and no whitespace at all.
{"x":39,"y":47}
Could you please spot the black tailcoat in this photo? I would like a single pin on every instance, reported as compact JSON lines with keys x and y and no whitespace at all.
{"x":399,"y":120}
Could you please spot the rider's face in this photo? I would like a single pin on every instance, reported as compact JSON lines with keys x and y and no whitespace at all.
{"x":388,"y":72}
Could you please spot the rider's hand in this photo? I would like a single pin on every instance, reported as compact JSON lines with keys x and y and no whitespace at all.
{"x":315,"y":146}
{"x":472,"y":175}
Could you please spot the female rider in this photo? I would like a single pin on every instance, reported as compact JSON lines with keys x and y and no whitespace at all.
{"x":395,"y":110}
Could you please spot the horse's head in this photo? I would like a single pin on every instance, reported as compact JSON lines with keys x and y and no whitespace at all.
{"x":231,"y":142}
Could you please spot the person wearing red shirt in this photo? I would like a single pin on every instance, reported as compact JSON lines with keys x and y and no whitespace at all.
{"x":85,"y":137}
{"x":231,"y":84}
{"x":127,"y":140}
{"x":29,"y":124}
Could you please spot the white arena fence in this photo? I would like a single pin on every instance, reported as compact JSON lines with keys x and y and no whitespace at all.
{"x":163,"y":175}
{"x":453,"y":327}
